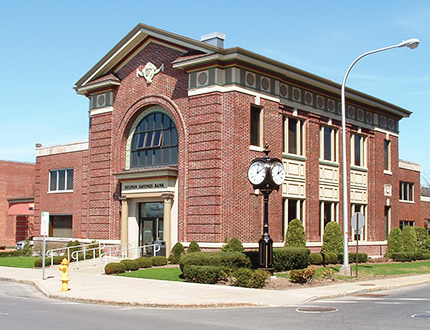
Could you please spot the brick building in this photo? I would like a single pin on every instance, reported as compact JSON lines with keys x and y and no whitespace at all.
{"x":174,"y":124}
{"x":16,"y":201}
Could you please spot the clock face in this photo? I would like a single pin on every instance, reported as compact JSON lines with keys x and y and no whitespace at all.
{"x":278,"y":173}
{"x":256,"y":173}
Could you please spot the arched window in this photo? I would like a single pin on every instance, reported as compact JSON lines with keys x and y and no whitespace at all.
{"x":155,"y":141}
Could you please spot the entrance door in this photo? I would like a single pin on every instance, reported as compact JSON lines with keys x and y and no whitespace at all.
{"x":151,"y":225}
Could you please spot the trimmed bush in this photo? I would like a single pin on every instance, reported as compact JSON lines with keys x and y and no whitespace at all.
{"x":329,"y":258}
{"x":290,"y":258}
{"x":27,"y":250}
{"x":159,"y":261}
{"x":295,"y":236}
{"x":56,"y":261}
{"x":203,"y":274}
{"x":130,"y":264}
{"x":234,"y":245}
{"x":316,"y":258}
{"x":249,"y":278}
{"x":423,"y":239}
{"x":394,"y":242}
{"x":332,"y":238}
{"x":301,"y":275}
{"x":176,"y":253}
{"x":253,"y":256}
{"x":228,"y":260}
{"x":144,"y":262}
{"x":403,"y":256}
{"x":194,"y":247}
{"x":115,"y":268}
{"x":6,"y":254}
{"x":352,"y":257}
{"x":409,"y":239}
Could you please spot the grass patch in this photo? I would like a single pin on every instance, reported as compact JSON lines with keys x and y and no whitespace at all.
{"x":166,"y":274}
{"x":18,"y":262}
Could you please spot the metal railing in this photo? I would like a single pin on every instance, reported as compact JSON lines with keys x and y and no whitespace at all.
{"x":62,"y":251}
{"x":123,"y":253}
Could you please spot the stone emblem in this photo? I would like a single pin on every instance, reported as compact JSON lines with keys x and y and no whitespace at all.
{"x":149,"y":71}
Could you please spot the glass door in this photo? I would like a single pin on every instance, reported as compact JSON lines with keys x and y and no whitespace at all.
{"x":150,"y":225}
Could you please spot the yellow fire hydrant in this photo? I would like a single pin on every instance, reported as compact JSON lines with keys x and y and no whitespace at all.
{"x":65,"y":275}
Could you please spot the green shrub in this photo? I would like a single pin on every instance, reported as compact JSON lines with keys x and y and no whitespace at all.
{"x":176,"y":253}
{"x":253,"y":257}
{"x":27,"y":250}
{"x":295,"y":236}
{"x":203,"y":274}
{"x":394,"y":242}
{"x":115,"y":268}
{"x":423,"y":239}
{"x":56,"y":261}
{"x":409,"y":239}
{"x":6,"y":254}
{"x":249,"y":278}
{"x":144,"y":262}
{"x":332,"y":238}
{"x":194,"y":247}
{"x":288,"y":258}
{"x":234,"y":245}
{"x":229,"y":260}
{"x":329,"y":258}
{"x":352,"y":257}
{"x":159,"y":261}
{"x":316,"y":258}
{"x":130,"y":264}
{"x":403,"y":256}
{"x":301,"y":275}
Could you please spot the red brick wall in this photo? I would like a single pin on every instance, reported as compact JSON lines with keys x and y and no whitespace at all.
{"x":410,"y":211}
{"x":16,"y":180}
{"x":425,"y":209}
{"x":62,"y":203}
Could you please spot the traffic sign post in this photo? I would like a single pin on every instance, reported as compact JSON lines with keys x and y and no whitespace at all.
{"x":44,"y":231}
{"x":357,"y":223}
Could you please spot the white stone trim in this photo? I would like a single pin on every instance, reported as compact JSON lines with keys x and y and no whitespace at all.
{"x":425,"y":199}
{"x":381,"y":130}
{"x":230,"y":88}
{"x":99,"y":111}
{"x":61,"y":148}
{"x":409,"y":166}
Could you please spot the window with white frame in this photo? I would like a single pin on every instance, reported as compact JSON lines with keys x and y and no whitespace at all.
{"x":292,"y":209}
{"x":328,"y":212}
{"x":328,"y":144}
{"x":61,"y":180}
{"x":358,"y":150}
{"x":362,"y":208}
{"x":406,"y":191}
{"x":387,"y":155}
{"x":256,"y":126}
{"x":294,"y":136}
{"x":404,"y":223}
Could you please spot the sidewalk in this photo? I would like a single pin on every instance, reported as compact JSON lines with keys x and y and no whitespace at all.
{"x":91,"y":286}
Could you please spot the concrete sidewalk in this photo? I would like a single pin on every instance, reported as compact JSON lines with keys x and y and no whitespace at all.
{"x":94,"y":287}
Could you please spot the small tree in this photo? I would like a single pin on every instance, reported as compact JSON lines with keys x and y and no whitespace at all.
{"x":394,"y":242}
{"x":423,"y":239}
{"x":176,"y":253}
{"x":234,"y":245}
{"x":332,"y":238}
{"x":409,"y":239}
{"x":295,"y":236}
{"x":194,"y":247}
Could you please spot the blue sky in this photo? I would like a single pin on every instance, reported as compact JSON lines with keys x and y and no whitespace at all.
{"x":47,"y":46}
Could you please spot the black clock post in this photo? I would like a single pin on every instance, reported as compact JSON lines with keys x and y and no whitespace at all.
{"x":266,"y":174}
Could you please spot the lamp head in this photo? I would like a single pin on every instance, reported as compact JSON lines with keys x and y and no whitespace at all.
{"x":411,"y":43}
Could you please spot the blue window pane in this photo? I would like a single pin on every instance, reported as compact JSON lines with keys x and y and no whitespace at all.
{"x":174,"y":137}
{"x":174,"y":155}
{"x":69,"y":179}
{"x":150,"y":126}
{"x":61,"y":180}
{"x":148,"y":142}
{"x":53,"y":177}
{"x":158,"y":120}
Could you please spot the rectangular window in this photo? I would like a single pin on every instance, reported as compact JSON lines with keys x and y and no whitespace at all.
{"x":387,"y":155}
{"x":61,"y":180}
{"x":292,"y":209}
{"x":256,"y":125}
{"x":406,"y":191}
{"x":387,"y":221}
{"x":328,"y":144}
{"x":294,"y":136}
{"x":362,"y":234}
{"x":60,"y":226}
{"x":404,"y":223}
{"x":358,"y":150}
{"x":328,"y":212}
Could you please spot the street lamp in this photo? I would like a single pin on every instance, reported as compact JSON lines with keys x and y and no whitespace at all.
{"x":346,"y":269}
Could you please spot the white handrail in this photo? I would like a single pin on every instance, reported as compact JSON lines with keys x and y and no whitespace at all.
{"x":157,"y":248}
{"x":49,"y":253}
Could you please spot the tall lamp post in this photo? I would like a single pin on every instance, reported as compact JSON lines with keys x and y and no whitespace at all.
{"x":346,"y":269}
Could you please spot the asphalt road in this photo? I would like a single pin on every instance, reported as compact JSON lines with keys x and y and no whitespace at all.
{"x":22,"y":307}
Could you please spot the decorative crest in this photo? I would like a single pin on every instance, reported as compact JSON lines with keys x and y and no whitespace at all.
{"x":149,"y":71}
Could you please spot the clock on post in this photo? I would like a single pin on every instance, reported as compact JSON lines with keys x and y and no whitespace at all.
{"x":266,"y":174}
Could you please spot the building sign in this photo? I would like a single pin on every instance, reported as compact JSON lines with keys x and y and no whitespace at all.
{"x":130,"y":187}
{"x":44,"y":225}
{"x":127,"y":186}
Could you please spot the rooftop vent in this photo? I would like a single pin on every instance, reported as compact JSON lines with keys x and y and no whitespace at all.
{"x":214,"y":39}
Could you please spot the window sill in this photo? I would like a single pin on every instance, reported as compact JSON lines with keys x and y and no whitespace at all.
{"x":388,"y":172}
{"x":329,"y":163}
{"x":256,"y":148}
{"x":293,"y":156}
{"x":359,"y":168}
{"x":60,"y":191}
{"x":407,"y":202}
